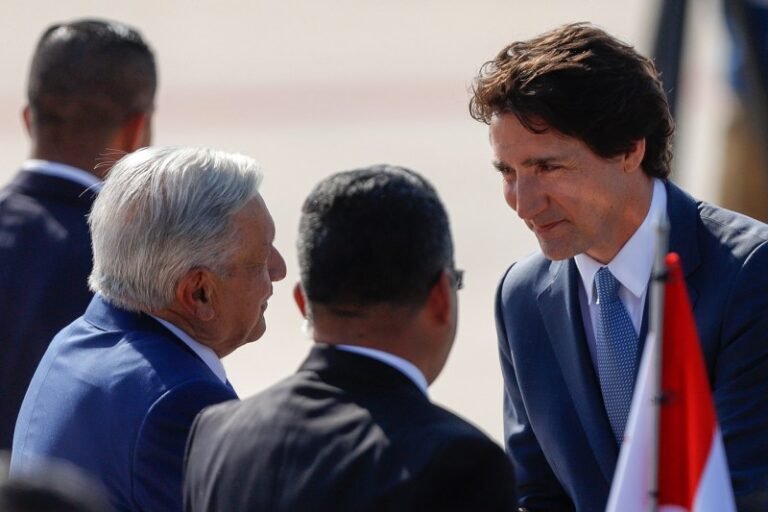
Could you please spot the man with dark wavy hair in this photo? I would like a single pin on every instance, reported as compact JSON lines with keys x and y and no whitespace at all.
{"x":581,"y":135}
{"x":90,"y":93}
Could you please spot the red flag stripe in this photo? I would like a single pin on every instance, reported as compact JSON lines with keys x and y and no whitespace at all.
{"x":684,"y":445}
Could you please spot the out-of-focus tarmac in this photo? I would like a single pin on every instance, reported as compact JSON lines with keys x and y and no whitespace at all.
{"x":309,"y":88}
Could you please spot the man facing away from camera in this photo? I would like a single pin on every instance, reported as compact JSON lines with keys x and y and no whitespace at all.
{"x":91,"y":92}
{"x":581,"y":135}
{"x":183,"y":268}
{"x":354,"y":429}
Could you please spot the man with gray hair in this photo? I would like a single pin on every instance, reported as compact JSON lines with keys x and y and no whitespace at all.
{"x":183,"y":267}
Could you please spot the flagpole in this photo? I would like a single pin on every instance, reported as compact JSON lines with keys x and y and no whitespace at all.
{"x":656,"y":328}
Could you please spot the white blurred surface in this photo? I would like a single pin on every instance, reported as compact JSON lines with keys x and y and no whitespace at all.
{"x":310,"y":88}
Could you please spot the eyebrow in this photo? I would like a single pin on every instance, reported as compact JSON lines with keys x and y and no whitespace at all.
{"x":530,"y":162}
{"x":500,"y":166}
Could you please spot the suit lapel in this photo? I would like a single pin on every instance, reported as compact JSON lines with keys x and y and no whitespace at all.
{"x":559,"y":305}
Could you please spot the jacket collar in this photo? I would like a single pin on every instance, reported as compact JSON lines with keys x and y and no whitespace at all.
{"x":349,"y":369}
{"x":52,"y":187}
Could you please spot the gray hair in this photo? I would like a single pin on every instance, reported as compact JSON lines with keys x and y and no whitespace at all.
{"x":162,"y":212}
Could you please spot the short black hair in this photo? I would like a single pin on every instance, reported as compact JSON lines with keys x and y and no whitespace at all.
{"x":376,"y":235}
{"x":90,"y":75}
{"x":584,"y":83}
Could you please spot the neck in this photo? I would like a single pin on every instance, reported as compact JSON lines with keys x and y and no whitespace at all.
{"x":635,"y":206}
{"x":395,"y":332}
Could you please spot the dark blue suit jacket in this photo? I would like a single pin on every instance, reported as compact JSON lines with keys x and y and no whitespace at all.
{"x":116,"y":394}
{"x":346,"y":433}
{"x":556,"y":427}
{"x":45,"y":259}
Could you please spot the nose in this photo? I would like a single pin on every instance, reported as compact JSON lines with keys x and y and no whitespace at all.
{"x":277,"y":269}
{"x":526,"y":196}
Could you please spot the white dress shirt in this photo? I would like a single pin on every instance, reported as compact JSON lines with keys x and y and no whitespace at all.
{"x":406,"y":367}
{"x":207,"y":354}
{"x":631,"y":267}
{"x":64,"y":171}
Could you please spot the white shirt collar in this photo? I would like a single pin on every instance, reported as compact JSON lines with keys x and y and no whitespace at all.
{"x":64,"y":171}
{"x":406,"y":367}
{"x":208,"y":356}
{"x":633,"y":264}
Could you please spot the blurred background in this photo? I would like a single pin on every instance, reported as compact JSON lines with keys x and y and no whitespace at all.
{"x":312,"y":87}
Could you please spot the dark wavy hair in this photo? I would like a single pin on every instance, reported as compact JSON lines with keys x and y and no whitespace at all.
{"x":584,"y":83}
{"x":376,"y":235}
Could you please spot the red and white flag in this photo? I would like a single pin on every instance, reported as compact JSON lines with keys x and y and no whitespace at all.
{"x":693,"y":471}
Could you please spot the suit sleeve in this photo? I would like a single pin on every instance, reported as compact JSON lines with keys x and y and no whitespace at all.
{"x":740,"y":383}
{"x":159,"y":452}
{"x":536,"y":485}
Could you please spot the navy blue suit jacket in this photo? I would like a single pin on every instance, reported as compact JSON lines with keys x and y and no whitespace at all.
{"x":346,"y":433}
{"x":556,"y":428}
{"x":45,"y":259}
{"x":116,"y":394}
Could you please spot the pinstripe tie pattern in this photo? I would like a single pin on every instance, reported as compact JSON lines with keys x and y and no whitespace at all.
{"x":616,"y":352}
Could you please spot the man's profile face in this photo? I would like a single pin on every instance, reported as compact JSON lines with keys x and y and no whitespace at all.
{"x":572,"y":199}
{"x":245,"y":289}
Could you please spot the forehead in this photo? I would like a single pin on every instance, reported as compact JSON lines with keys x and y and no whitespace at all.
{"x":508,"y":133}
{"x":254,"y":223}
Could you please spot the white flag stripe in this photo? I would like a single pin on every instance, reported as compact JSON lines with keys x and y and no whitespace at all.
{"x":713,"y":494}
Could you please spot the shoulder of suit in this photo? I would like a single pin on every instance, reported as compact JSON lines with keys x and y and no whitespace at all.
{"x":732,"y":229}
{"x":529,"y":276}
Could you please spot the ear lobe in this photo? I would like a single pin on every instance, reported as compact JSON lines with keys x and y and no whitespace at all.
{"x":300,"y":299}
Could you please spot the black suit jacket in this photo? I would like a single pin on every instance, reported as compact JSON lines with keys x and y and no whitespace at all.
{"x":345,"y":433}
{"x":45,"y":259}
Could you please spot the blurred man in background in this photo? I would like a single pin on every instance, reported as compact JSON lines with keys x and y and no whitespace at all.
{"x":55,"y":486}
{"x":744,"y":183}
{"x":91,"y":92}
{"x":183,"y":266}
{"x":581,"y":133}
{"x":354,"y":429}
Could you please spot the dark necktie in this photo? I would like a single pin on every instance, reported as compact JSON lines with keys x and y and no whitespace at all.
{"x":616,"y":352}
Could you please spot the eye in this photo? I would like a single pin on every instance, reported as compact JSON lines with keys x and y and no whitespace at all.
{"x":548,"y":167}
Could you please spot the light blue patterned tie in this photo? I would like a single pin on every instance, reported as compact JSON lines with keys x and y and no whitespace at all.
{"x":616,"y":351}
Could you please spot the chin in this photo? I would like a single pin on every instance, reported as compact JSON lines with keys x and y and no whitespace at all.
{"x":258,"y":331}
{"x":558,"y":255}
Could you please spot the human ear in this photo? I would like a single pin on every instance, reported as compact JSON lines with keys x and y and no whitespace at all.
{"x":633,"y":158}
{"x":196,"y":293}
{"x":132,"y":134}
{"x":440,"y":299}
{"x":26,"y":115}
{"x":300,"y":299}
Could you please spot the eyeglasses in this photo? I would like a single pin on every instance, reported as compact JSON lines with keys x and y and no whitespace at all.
{"x":457,"y":276}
